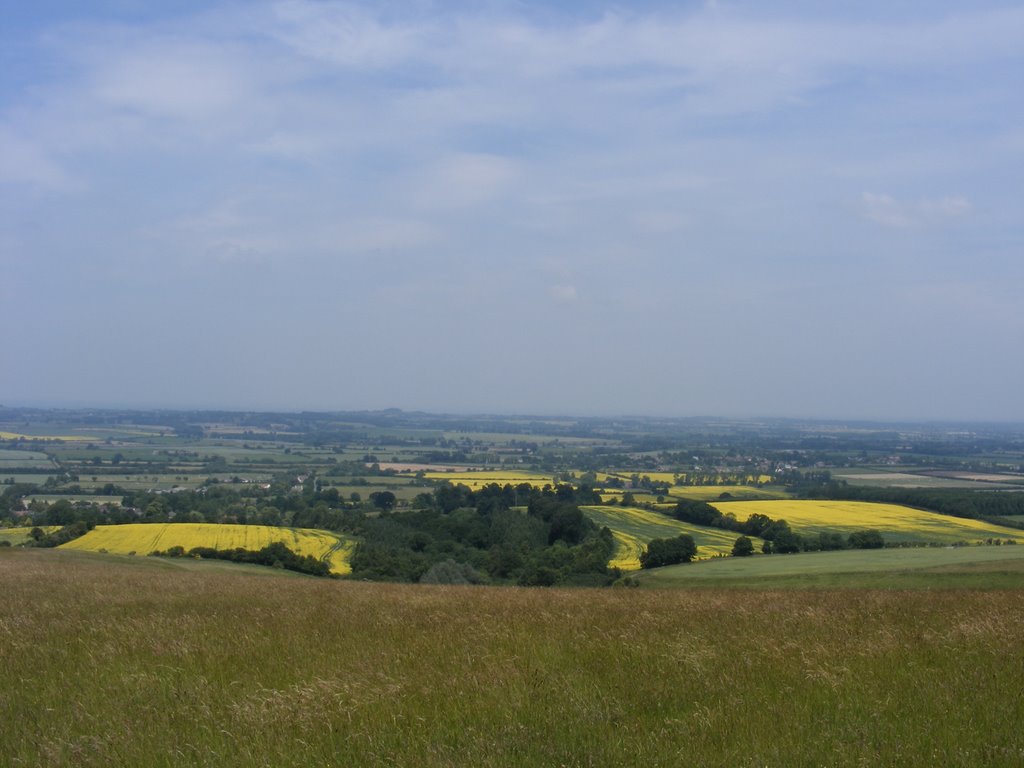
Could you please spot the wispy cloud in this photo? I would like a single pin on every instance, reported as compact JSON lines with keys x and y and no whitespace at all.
{"x":28,"y":164}
{"x":701,"y":172}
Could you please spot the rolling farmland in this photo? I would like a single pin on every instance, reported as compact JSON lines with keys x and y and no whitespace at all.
{"x":143,"y":538}
{"x":633,"y":528}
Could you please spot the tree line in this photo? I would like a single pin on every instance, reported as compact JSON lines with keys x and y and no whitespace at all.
{"x":275,"y":555}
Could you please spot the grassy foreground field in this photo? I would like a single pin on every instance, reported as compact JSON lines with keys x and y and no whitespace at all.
{"x":143,"y":538}
{"x":125,"y":663}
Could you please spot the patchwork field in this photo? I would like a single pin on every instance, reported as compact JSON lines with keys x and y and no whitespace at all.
{"x":895,"y":522}
{"x":881,"y":478}
{"x":143,"y":538}
{"x":633,"y":528}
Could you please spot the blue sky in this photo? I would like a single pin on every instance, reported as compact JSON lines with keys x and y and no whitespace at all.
{"x":664,"y":208}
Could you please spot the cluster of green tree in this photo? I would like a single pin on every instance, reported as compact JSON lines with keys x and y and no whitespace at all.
{"x":990,"y":506}
{"x":10,"y":498}
{"x":276,"y":555}
{"x":215,"y":504}
{"x":659,"y":552}
{"x":485,"y":535}
{"x":450,"y":572}
{"x":778,"y":536}
{"x":58,"y":537}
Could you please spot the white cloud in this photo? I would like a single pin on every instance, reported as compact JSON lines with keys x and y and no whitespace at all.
{"x":564,"y":293}
{"x":361,"y":235}
{"x":252,"y":228}
{"x":945,"y":208}
{"x":462,"y":180}
{"x":344,"y":34}
{"x":889,"y":212}
{"x":172,"y":83}
{"x":660,"y":221}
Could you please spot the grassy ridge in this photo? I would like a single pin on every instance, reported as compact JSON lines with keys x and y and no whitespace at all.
{"x":127,"y":664}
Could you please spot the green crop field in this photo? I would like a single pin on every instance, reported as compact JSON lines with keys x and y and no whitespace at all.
{"x":895,"y":522}
{"x":20,"y":534}
{"x":135,"y":663}
{"x":633,"y":528}
{"x":35,"y":478}
{"x":924,"y":567}
{"x":10,"y":460}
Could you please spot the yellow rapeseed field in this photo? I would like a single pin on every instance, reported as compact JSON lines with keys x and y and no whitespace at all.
{"x":486,"y":477}
{"x":628,"y":549}
{"x":710,"y":480}
{"x":712,"y":492}
{"x":65,"y":438}
{"x":894,"y":521}
{"x":143,"y":538}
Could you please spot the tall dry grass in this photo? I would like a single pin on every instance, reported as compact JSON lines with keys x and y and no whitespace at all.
{"x":108,"y":663}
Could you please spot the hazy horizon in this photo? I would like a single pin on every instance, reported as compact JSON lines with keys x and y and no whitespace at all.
{"x":709,"y":209}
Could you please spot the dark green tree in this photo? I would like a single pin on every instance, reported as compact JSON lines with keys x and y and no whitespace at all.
{"x":659,"y":552}
{"x":743,"y":547}
{"x":383,"y":500}
{"x":866,"y":540}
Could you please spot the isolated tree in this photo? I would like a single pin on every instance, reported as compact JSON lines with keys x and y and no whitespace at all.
{"x":742,"y":547}
{"x":383,"y":500}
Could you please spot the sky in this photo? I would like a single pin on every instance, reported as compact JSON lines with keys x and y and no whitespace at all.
{"x":685,"y":209}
